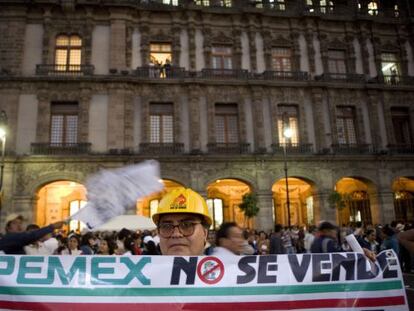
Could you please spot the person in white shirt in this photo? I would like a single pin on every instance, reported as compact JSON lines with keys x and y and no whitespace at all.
{"x":229,"y":240}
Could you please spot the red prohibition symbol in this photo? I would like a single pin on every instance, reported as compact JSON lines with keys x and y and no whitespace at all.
{"x":210,"y":270}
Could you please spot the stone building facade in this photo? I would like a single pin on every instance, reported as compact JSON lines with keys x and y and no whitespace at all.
{"x":85,"y":86}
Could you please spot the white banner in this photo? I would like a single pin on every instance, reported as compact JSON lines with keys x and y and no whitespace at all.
{"x":341,"y":281}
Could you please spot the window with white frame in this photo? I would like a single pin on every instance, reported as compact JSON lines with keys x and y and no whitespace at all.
{"x":345,"y":125}
{"x":288,"y":118}
{"x":68,"y":52}
{"x":161,"y":123}
{"x":226,"y":123}
{"x":222,"y":57}
{"x":64,"y":123}
{"x":281,"y":59}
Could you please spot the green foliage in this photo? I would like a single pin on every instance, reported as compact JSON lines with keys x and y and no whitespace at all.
{"x":338,"y":200}
{"x":249,"y":205}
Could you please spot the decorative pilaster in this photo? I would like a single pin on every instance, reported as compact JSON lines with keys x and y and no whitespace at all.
{"x":194,"y":113}
{"x":257,"y":107}
{"x":264,"y":220}
{"x":319,"y":126}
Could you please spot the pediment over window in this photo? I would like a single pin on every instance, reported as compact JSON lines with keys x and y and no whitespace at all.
{"x":388,"y":46}
{"x":281,"y":41}
{"x":337,"y":44}
{"x":160,"y":36}
{"x":222,"y":39}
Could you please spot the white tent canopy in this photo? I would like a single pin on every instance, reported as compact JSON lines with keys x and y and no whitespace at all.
{"x":130,"y":222}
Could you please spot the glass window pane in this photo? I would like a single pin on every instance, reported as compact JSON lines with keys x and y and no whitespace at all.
{"x":75,"y":57}
{"x":168,"y":129}
{"x":61,"y":59}
{"x":155,"y":129}
{"x":233,"y":129}
{"x":62,"y":41}
{"x":220,"y":129}
{"x":56,"y":131}
{"x":71,"y":129}
{"x":75,"y":41}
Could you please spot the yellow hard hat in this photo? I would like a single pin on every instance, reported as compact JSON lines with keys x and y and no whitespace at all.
{"x":183,"y":200}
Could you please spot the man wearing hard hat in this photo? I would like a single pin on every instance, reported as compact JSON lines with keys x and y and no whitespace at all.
{"x":182,"y":220}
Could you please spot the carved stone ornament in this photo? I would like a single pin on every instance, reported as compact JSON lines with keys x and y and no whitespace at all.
{"x":337,"y":44}
{"x":161,"y":36}
{"x":221,"y":38}
{"x":281,"y":41}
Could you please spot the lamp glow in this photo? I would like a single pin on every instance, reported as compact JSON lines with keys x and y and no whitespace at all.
{"x":288,"y":133}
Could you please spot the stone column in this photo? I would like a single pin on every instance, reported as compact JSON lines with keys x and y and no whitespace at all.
{"x":117,"y":52}
{"x":264,"y":220}
{"x":252,"y":47}
{"x":318,"y":121}
{"x":116,"y":119}
{"x":382,"y":206}
{"x":257,"y":108}
{"x":43,"y":117}
{"x":375,"y":120}
{"x":194,"y":115}
{"x":322,"y":208}
{"x":23,"y":205}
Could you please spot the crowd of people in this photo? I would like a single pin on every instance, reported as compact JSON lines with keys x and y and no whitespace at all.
{"x":325,"y":238}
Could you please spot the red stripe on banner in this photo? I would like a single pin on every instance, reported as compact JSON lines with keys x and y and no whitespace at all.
{"x":259,"y":305}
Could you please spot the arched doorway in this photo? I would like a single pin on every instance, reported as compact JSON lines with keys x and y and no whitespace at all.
{"x":223,"y":199}
{"x":403,"y":189}
{"x":59,"y":200}
{"x":355,"y":195}
{"x":148,"y":206}
{"x":301,"y":203}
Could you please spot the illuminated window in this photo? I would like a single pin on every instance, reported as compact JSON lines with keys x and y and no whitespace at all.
{"x":227,"y":123}
{"x":390,"y":68}
{"x":288,"y":118}
{"x":74,"y":207}
{"x":153,"y":207}
{"x":64,"y":123}
{"x":279,"y":5}
{"x":401,"y":124}
{"x":396,"y":11}
{"x":160,"y":53}
{"x":203,"y":2}
{"x":373,"y":8}
{"x":326,"y":6}
{"x":281,"y":59}
{"x":170,"y":2}
{"x":215,"y":208}
{"x":161,"y":123}
{"x":359,"y":207}
{"x":309,"y":4}
{"x":226,"y":3}
{"x":336,"y":62}
{"x":345,"y":125}
{"x":221,"y":57}
{"x":68,"y":51}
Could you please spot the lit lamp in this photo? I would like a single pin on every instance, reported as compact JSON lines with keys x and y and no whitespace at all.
{"x":3,"y":134}
{"x":287,"y":134}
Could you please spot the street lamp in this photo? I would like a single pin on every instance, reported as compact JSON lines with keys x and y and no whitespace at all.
{"x":287,"y":133}
{"x":3,"y":134}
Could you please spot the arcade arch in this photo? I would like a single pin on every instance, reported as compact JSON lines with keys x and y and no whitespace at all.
{"x":355,"y":193}
{"x":300,"y":198}
{"x":403,"y":189}
{"x":59,"y":200}
{"x":148,"y":205}
{"x":223,"y":199}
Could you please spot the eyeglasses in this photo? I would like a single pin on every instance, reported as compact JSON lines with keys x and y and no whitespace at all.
{"x":186,"y":228}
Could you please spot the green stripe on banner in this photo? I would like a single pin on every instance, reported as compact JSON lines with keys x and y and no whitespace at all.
{"x":204,"y":291}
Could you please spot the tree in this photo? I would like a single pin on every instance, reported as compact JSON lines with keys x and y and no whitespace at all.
{"x":249,"y":206}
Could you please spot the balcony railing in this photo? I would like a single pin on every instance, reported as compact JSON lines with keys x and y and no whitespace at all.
{"x":224,"y":73}
{"x":292,"y":148}
{"x":341,"y":77}
{"x":396,"y":80}
{"x":352,"y":148}
{"x":228,"y":148}
{"x":65,"y":70}
{"x":401,"y":148}
{"x":153,"y":72}
{"x":161,"y":148}
{"x":60,"y":149}
{"x":285,"y":75}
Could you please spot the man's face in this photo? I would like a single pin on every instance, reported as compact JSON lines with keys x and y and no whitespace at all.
{"x":16,"y":225}
{"x":178,"y":244}
{"x":234,"y":241}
